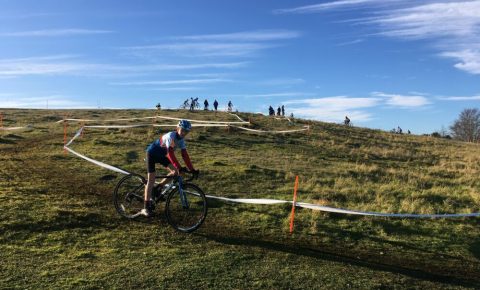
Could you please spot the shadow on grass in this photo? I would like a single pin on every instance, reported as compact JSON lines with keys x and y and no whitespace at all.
{"x":475,"y":249}
{"x":64,"y":220}
{"x":341,"y":255}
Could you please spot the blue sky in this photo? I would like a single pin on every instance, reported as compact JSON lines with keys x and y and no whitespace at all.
{"x":384,"y":63}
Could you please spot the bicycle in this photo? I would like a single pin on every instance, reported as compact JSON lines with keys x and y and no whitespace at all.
{"x":185,"y":105}
{"x":185,"y":203}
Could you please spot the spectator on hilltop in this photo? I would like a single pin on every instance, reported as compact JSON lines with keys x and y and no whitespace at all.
{"x":158,"y":106}
{"x":399,"y":130}
{"x":230,"y":106}
{"x":271,"y":111}
{"x":192,"y":104}
{"x":215,"y":104}
{"x":346,"y":121}
{"x":279,"y":111}
{"x":205,"y":105}
{"x":283,"y":110}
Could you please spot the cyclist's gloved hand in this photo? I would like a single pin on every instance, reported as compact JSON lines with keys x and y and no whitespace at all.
{"x":195,"y":173}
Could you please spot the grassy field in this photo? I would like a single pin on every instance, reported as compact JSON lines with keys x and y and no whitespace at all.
{"x":59,"y":229}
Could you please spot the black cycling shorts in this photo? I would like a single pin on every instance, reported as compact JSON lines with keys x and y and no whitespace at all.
{"x":152,"y":159}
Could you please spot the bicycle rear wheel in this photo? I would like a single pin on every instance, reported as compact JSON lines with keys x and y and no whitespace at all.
{"x":128,"y":195}
{"x":189,"y":214}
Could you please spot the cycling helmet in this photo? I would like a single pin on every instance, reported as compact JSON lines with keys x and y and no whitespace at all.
{"x":184,"y":124}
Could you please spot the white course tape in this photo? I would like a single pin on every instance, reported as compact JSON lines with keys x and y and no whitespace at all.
{"x":339,"y":210}
{"x":239,"y":117}
{"x":271,"y":132}
{"x":283,"y":118}
{"x":202,"y":121}
{"x":278,"y":201}
{"x":156,"y":117}
{"x":101,"y":164}
{"x":152,"y":125}
{"x":249,"y":200}
{"x":108,"y":120}
{"x":12,"y":128}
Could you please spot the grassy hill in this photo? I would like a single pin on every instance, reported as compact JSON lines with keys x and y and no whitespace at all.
{"x":59,"y":228}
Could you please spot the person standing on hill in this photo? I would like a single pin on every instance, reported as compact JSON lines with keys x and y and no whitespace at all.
{"x":215,"y":104}
{"x":162,"y":151}
{"x":271,"y":111}
{"x":230,"y":106}
{"x":205,"y":105}
{"x":279,"y":111}
{"x":283,"y":110}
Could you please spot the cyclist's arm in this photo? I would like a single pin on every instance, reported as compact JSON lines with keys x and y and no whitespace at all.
{"x":173,"y":159}
{"x":186,"y":158}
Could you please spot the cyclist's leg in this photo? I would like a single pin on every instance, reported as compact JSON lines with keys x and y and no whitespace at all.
{"x":171,"y":172}
{"x":150,"y":177}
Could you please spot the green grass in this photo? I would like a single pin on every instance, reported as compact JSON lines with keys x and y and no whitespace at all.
{"x":59,"y":229}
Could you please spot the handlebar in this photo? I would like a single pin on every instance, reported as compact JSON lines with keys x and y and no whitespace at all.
{"x":194,"y":174}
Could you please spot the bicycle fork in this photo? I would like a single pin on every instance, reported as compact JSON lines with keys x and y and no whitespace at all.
{"x":183,"y":196}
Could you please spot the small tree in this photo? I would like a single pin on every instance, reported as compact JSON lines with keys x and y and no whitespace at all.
{"x":467,"y":126}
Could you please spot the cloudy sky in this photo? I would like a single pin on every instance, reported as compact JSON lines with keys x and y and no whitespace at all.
{"x":384,"y":63}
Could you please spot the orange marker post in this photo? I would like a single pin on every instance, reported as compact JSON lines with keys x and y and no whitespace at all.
{"x":292,"y":216}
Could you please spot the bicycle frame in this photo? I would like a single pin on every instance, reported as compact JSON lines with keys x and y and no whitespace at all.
{"x":178,"y":180}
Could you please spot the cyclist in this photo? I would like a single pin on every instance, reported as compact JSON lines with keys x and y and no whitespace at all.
{"x":162,"y":151}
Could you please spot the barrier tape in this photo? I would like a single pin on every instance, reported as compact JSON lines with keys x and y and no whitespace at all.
{"x":239,"y":118}
{"x":339,"y":210}
{"x":101,"y":164}
{"x":13,"y":128}
{"x":267,"y":201}
{"x":272,"y":132}
{"x":108,"y":120}
{"x":152,"y":125}
{"x":155,"y":117}
{"x":202,"y":121}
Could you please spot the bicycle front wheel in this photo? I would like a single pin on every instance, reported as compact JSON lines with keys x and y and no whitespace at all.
{"x":128,"y":195}
{"x":186,"y":213}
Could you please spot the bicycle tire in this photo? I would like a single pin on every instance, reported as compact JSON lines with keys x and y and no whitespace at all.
{"x":128,"y":195}
{"x":189,"y":219}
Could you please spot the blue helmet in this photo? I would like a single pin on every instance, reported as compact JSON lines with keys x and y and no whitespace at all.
{"x":184,"y":124}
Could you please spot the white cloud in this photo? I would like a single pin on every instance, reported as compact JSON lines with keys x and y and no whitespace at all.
{"x":174,"y":89}
{"x":237,"y":44}
{"x":71,"y":65}
{"x":54,"y":32}
{"x":201,"y":49}
{"x":442,"y":19}
{"x":315,"y":8}
{"x":172,"y":82}
{"x":283,"y":94}
{"x":259,"y":35}
{"x":471,"y":98}
{"x":469,"y":60}
{"x":452,"y":26}
{"x":333,"y":109}
{"x":283,"y":82}
{"x":351,"y":42}
{"x":53,"y":102}
{"x":403,"y":101}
